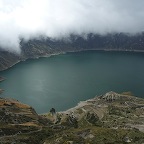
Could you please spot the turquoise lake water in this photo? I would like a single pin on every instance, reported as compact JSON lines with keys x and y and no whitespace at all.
{"x":62,"y":81}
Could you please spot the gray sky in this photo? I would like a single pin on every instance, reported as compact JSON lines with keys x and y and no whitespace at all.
{"x":56,"y":18}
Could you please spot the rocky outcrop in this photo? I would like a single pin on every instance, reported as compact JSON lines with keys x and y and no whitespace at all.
{"x":109,"y":118}
{"x":46,"y":46}
{"x":111,"y":96}
{"x":102,"y":109}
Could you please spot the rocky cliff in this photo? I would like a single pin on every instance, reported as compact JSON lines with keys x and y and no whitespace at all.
{"x":109,"y":118}
{"x":47,"y":46}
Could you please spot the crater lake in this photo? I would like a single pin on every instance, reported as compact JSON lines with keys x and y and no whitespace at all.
{"x":61,"y":81}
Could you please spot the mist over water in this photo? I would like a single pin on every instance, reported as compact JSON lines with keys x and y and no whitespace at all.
{"x":64,"y":80}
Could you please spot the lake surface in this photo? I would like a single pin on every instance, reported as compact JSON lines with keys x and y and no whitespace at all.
{"x":62,"y":81}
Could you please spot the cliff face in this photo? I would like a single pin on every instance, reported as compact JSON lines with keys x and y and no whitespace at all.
{"x":109,"y":118}
{"x":46,"y":46}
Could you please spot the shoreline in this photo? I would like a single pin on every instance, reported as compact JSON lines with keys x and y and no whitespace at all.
{"x":82,"y":50}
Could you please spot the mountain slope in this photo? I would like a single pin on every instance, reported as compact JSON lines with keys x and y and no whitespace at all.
{"x":109,"y":118}
{"x":47,"y":46}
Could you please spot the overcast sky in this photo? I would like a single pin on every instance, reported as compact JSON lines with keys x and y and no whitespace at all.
{"x":56,"y":18}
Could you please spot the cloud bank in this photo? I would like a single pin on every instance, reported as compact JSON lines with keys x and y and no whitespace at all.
{"x":56,"y":18}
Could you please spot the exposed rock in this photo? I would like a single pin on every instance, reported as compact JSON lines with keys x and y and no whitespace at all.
{"x":127,"y":139}
{"x":92,"y":117}
{"x":111,"y":96}
{"x":109,"y":110}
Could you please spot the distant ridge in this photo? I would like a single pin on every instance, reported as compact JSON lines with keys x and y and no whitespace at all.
{"x":46,"y":46}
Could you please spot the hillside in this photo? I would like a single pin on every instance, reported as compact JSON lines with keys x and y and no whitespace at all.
{"x":109,"y":118}
{"x":46,"y":46}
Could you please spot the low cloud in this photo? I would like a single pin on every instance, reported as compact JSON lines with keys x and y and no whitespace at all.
{"x":56,"y":18}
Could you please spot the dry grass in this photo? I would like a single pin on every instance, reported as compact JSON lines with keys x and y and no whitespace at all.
{"x":15,"y":103}
{"x":30,"y":124}
{"x":20,"y":105}
{"x":2,"y":103}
